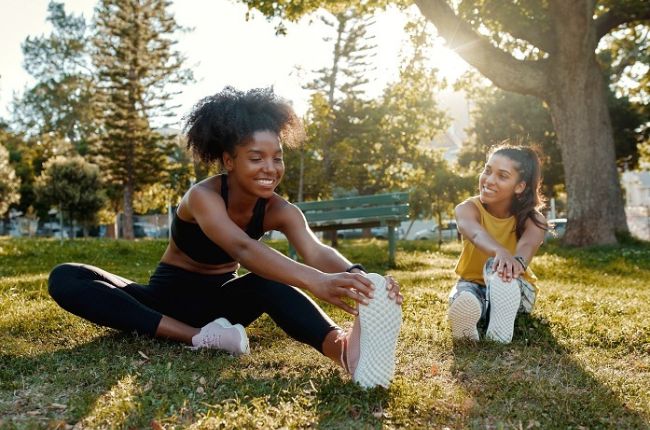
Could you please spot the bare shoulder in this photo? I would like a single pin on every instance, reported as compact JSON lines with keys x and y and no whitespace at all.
{"x":537,"y":220}
{"x":201,"y":196}
{"x":279,"y":212}
{"x":467,"y":210}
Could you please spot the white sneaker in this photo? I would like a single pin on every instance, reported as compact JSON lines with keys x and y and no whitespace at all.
{"x":220,"y":334}
{"x":380,"y":322}
{"x":504,"y":298}
{"x":464,"y":314}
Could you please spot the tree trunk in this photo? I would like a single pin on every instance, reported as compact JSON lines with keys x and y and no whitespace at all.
{"x":127,"y":225}
{"x":578,"y":106}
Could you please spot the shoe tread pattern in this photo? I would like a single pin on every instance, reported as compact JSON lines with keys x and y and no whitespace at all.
{"x":464,"y":315}
{"x":380,"y":323}
{"x":505,"y":298}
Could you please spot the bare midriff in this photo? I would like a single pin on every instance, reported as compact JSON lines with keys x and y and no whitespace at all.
{"x":178,"y":258}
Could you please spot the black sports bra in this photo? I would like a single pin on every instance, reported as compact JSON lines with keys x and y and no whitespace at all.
{"x":190,"y":239}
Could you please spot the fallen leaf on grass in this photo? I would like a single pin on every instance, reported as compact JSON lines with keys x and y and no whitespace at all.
{"x":469,"y":404}
{"x":58,"y":406}
{"x":434,"y":370}
{"x":202,"y":380}
{"x":155,"y":425}
{"x":33,"y":413}
{"x":200,"y":390}
{"x":143,"y":355}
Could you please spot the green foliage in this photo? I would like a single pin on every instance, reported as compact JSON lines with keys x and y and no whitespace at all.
{"x":61,"y":102}
{"x":342,"y":83}
{"x":582,"y":358}
{"x":437,"y":187}
{"x":137,"y":67}
{"x":293,"y":10}
{"x":72,"y":185}
{"x":9,"y":182}
{"x":304,"y":175}
{"x":373,"y":144}
{"x":500,"y":116}
{"x":351,"y":51}
{"x":406,"y":116}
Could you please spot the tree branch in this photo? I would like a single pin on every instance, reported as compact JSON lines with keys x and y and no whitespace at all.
{"x":505,"y":71}
{"x":615,"y":17}
{"x":523,"y":27}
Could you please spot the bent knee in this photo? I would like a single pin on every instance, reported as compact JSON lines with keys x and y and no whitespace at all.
{"x":61,"y":278}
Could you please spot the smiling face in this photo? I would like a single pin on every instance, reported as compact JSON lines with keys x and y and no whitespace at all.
{"x":257,"y":165}
{"x":499,"y":183}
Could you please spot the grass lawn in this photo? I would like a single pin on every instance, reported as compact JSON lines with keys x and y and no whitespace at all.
{"x":581,"y":360}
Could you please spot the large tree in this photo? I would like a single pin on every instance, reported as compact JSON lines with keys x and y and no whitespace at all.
{"x":137,"y":69}
{"x":546,"y":49}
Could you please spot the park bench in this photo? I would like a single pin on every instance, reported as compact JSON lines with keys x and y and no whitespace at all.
{"x":388,"y":209}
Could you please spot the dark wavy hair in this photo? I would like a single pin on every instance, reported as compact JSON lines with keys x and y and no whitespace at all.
{"x":531,"y":200}
{"x":220,"y":122}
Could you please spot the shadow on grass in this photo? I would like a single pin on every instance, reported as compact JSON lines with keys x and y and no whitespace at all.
{"x":535,"y":376}
{"x":111,"y":382}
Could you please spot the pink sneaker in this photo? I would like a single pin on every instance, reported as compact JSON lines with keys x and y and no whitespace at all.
{"x":220,"y":334}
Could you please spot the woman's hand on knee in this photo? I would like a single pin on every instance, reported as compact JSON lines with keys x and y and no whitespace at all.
{"x":336,"y":288}
{"x":505,"y":266}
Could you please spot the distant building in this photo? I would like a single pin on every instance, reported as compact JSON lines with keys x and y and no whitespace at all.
{"x":637,"y":188}
{"x":637,"y":202}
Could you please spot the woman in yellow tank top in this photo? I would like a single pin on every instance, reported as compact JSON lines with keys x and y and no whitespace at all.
{"x":502,"y":229}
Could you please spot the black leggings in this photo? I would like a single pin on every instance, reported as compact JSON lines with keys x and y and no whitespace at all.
{"x":195,"y":299}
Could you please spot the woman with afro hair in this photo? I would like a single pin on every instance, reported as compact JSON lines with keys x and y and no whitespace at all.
{"x":195,"y":295}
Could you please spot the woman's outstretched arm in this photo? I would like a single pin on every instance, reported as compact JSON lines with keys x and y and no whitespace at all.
{"x":210,"y":212}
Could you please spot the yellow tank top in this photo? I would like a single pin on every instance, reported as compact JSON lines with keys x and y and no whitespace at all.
{"x":471,"y":261}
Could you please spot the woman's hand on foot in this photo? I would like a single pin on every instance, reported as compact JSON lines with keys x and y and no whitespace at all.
{"x":338,"y":286}
{"x":394,"y":290}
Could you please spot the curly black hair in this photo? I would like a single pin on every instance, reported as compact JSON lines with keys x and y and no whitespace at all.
{"x":220,"y":122}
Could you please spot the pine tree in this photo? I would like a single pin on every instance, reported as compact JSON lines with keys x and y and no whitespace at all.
{"x":137,"y":65}
{"x":384,"y":144}
{"x":343,"y":80}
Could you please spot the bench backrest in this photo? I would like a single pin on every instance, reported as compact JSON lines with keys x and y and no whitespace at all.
{"x":358,"y":211}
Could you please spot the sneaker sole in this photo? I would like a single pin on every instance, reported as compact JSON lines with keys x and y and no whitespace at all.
{"x":505,"y":299}
{"x":380,"y":322}
{"x":464,"y":314}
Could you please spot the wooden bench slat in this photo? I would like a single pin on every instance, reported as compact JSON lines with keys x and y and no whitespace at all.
{"x":356,"y":201}
{"x":369,"y":212}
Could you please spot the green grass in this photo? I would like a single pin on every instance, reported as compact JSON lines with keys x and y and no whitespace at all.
{"x":581,"y":360}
